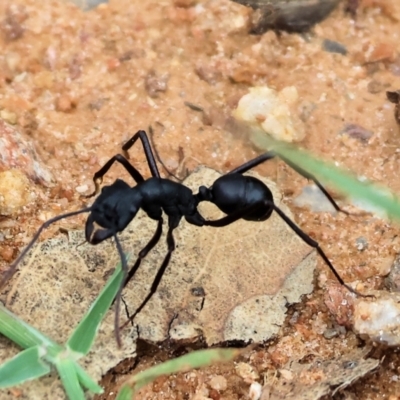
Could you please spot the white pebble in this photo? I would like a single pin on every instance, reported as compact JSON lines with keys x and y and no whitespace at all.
{"x":255,"y":391}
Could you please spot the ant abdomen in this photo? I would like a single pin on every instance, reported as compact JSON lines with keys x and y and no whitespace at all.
{"x":234,"y":192}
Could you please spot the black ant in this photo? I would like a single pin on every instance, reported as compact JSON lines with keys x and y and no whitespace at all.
{"x":237,"y":195}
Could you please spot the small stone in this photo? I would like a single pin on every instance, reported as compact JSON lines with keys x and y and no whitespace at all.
{"x":313,"y":198}
{"x":378,"y":317}
{"x":286,"y":374}
{"x":64,"y":103}
{"x":356,"y":131}
{"x":8,"y":116}
{"x":361,"y":243}
{"x":155,"y":84}
{"x":332,"y":46}
{"x":392,"y":281}
{"x":82,"y":188}
{"x":255,"y":391}
{"x":14,"y":192}
{"x":7,"y":253}
{"x":219,"y":383}
{"x":273,"y":112}
{"x":247,"y":372}
{"x":330,"y":333}
{"x":18,"y":153}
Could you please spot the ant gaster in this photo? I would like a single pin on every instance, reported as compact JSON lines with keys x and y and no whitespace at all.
{"x":237,"y":195}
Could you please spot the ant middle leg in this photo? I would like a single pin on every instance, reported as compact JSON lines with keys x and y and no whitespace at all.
{"x":173,"y":223}
{"x":143,"y":253}
{"x":268,"y":156}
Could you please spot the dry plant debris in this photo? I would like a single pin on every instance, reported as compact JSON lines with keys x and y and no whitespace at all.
{"x":312,"y":381}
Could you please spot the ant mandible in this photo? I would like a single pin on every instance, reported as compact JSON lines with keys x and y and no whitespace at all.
{"x":237,"y":195}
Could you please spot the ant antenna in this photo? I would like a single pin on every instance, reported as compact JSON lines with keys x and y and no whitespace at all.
{"x":13,"y":268}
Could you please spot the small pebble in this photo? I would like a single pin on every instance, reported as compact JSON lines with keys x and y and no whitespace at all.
{"x":273,"y":112}
{"x":155,"y":84}
{"x":8,"y":116}
{"x":18,"y":153}
{"x":313,"y":198}
{"x":378,"y":318}
{"x":82,"y":188}
{"x":361,"y":243}
{"x":255,"y":391}
{"x":330,"y":333}
{"x":356,"y":131}
{"x":247,"y":372}
{"x":334,"y":47}
{"x":219,"y":383}
{"x":392,"y":281}
{"x":291,"y":16}
{"x":14,"y":192}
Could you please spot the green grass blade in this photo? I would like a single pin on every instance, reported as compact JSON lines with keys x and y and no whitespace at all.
{"x":126,"y":393}
{"x":22,"y":333}
{"x":69,"y":378}
{"x":196,"y":359}
{"x":333,"y":176}
{"x":25,"y":366}
{"x":83,"y":336}
{"x":86,"y":381}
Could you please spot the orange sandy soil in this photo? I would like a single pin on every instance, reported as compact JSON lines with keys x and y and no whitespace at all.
{"x":78,"y":85}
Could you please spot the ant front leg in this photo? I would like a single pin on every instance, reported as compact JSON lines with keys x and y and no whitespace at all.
{"x":123,"y":160}
{"x":142,"y":135}
{"x":98,"y":176}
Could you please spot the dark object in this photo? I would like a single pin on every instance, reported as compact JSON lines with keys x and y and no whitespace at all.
{"x":288,"y":15}
{"x":356,"y":131}
{"x":351,"y":7}
{"x":392,"y":281}
{"x":334,"y":47}
{"x":394,"y":97}
{"x":237,"y":195}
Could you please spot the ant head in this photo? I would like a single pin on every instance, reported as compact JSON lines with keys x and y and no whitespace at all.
{"x":112,"y":211}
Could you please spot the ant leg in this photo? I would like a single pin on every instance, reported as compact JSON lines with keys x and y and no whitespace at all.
{"x":98,"y":176}
{"x":123,"y":160}
{"x":142,"y":135}
{"x":118,"y":297}
{"x":173,"y":222}
{"x":311,"y":242}
{"x":229,"y":219}
{"x":143,"y":253}
{"x":253,"y":163}
{"x":268,"y":156}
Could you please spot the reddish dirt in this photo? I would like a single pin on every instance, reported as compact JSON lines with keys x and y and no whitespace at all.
{"x":78,"y":85}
